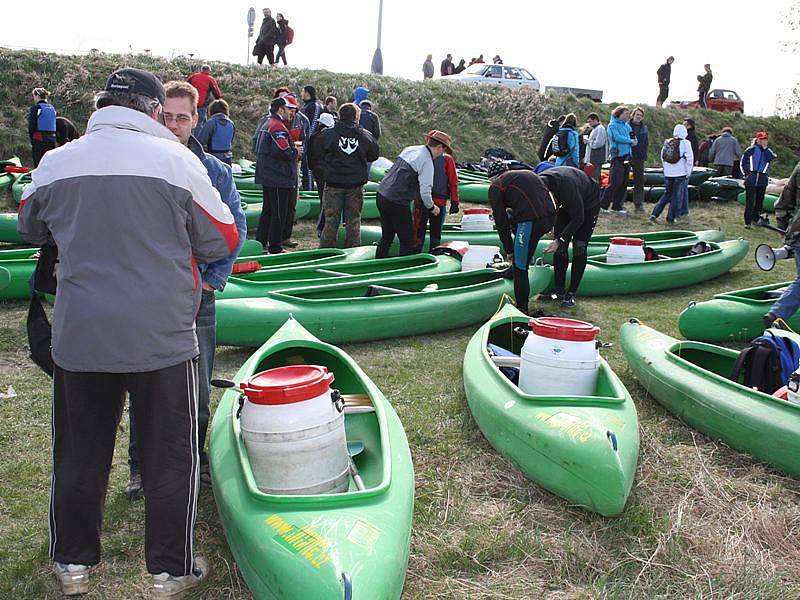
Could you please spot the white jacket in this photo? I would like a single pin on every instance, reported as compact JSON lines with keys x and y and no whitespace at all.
{"x":682,"y":168}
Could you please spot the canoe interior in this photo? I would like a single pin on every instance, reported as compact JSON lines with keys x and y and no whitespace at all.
{"x":344,"y":269}
{"x":19,"y":254}
{"x":649,"y":237}
{"x":710,"y":358}
{"x":362,"y":427}
{"x":666,"y":254}
{"x":765,"y":293}
{"x":288,"y":259}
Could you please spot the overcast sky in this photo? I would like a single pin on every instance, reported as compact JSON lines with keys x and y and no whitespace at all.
{"x":573,"y":43}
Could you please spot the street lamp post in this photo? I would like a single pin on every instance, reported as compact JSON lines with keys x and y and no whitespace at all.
{"x":377,"y":58}
{"x":251,"y":20}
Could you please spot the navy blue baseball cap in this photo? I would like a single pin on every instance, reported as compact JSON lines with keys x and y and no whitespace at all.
{"x":136,"y":81}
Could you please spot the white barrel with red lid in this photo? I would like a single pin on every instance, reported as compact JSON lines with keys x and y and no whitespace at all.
{"x":293,"y":431}
{"x":624,"y":250}
{"x":480,"y":257}
{"x":560,"y":358}
{"x":477,"y":219}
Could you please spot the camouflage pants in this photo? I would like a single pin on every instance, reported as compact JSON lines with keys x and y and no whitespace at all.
{"x":338,"y":202}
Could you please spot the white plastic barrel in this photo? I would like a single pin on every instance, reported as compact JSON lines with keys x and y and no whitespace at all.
{"x":560,"y":358}
{"x":624,"y":250}
{"x":294,"y":433}
{"x":236,"y":169}
{"x":479,"y":257}
{"x":477,"y":219}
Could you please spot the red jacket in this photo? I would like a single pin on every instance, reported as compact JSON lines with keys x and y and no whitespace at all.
{"x":204,"y":83}
{"x":439,"y":199}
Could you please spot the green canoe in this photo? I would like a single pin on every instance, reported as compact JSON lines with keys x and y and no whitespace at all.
{"x":769,"y":201}
{"x":304,"y":258}
{"x":252,"y":210}
{"x":353,"y":544}
{"x":259,"y":283}
{"x":674,"y":270}
{"x":8,"y":228}
{"x":346,"y":313}
{"x":732,"y":316}
{"x":583,"y":449}
{"x":655,"y":176}
{"x":8,"y":179}
{"x":309,"y":201}
{"x":19,"y":185}
{"x":5,"y":280}
{"x":19,"y":265}
{"x":720,"y":189}
{"x":690,"y":379}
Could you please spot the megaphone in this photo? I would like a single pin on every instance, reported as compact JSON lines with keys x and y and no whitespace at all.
{"x":766,"y":257}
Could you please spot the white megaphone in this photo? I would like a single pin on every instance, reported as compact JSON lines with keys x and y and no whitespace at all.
{"x":766,"y":257}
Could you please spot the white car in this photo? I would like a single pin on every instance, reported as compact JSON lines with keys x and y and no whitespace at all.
{"x":504,"y":75}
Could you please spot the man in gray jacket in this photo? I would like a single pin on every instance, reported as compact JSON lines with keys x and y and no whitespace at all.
{"x":427,"y":67}
{"x":132,"y":212}
{"x":725,"y":151}
{"x":596,"y":145}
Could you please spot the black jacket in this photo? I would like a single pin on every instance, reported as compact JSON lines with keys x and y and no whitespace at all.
{"x":66,"y":131}
{"x":575,"y":193}
{"x":691,"y":137}
{"x":283,"y":34}
{"x":316,"y":158}
{"x":370,"y":121}
{"x":549,"y":132}
{"x":525,"y":195}
{"x":664,"y":74}
{"x":346,"y":149}
{"x":267,"y":33}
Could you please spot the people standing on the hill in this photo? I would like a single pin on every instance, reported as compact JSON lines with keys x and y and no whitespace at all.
{"x":207,"y":89}
{"x":677,"y":160}
{"x":549,"y":131}
{"x":409,"y":175}
{"x":521,"y":197}
{"x":216,"y":136}
{"x":312,"y":108}
{"x":180,"y":115}
{"x":497,"y":60}
{"x":620,"y":142}
{"x":284,"y":37}
{"x":479,"y":60}
{"x":316,"y":163}
{"x":446,"y":68}
{"x":577,"y":196}
{"x":124,"y":321}
{"x":725,"y":152}
{"x":664,"y":74}
{"x":445,"y":187}
{"x":788,"y":219}
{"x":702,"y":159}
{"x":41,"y":125}
{"x":276,"y":172}
{"x":704,"y":85}
{"x":755,"y":166}
{"x":331,"y":107}
{"x":369,"y":120}
{"x":265,"y":42}
{"x":568,"y":143}
{"x":427,"y":67}
{"x":460,"y":67}
{"x":639,"y":156}
{"x":345,"y":150}
{"x":66,"y":131}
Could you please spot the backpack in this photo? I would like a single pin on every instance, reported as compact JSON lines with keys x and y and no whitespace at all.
{"x":559,"y":145}
{"x":672,"y":151}
{"x":766,"y":363}
{"x":289,"y":35}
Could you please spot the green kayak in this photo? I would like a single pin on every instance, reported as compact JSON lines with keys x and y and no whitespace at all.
{"x":654,"y":193}
{"x":583,"y":449}
{"x":353,"y":544}
{"x":365,"y":311}
{"x":720,"y":189}
{"x":5,"y":280}
{"x":19,"y":265}
{"x":732,"y":316}
{"x":769,"y":201}
{"x":673,"y":270}
{"x":8,"y":179}
{"x":248,"y":264}
{"x":690,"y":379}
{"x":19,"y":185}
{"x":252,"y":210}
{"x":261,"y":282}
{"x":655,"y":176}
{"x":8,"y":228}
{"x":311,"y":205}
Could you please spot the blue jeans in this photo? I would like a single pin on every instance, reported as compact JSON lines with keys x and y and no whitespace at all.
{"x":201,"y":119}
{"x":788,"y":304}
{"x":206,"y":330}
{"x":684,"y":209}
{"x":673,"y":195}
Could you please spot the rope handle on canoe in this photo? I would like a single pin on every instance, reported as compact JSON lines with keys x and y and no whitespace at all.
{"x":779,"y":322}
{"x":504,"y":299}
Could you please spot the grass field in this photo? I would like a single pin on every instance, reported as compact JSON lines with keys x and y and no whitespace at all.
{"x":703,"y":521}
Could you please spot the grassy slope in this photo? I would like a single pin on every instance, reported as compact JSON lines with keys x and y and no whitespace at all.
{"x":702,"y":520}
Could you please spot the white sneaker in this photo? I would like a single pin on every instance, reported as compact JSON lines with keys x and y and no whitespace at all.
{"x":619,"y":212}
{"x":73,"y":579}
{"x":172,"y":587}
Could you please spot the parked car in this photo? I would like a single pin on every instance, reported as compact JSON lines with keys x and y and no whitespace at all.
{"x":503,"y":75}
{"x":718,"y":99}
{"x":596,"y":95}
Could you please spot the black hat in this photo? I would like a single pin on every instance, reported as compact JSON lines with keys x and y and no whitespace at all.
{"x":311,"y":90}
{"x":136,"y":81}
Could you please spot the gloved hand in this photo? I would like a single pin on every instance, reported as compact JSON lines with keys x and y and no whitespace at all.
{"x":454,"y":208}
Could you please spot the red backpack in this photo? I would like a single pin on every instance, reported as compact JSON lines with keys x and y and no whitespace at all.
{"x":289,"y":35}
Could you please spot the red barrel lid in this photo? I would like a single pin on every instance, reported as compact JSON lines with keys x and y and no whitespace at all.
{"x":568,"y":330}
{"x":623,"y":241}
{"x":782,"y":393}
{"x":477,"y":211}
{"x":287,"y":385}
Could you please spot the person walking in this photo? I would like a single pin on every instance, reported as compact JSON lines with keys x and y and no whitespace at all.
{"x":446,"y":68}
{"x":180,"y":116}
{"x":597,"y":145}
{"x":521,"y":197}
{"x":124,"y":321}
{"x":568,"y":143}
{"x":265,"y":42}
{"x":427,"y":67}
{"x":216,"y":136}
{"x":41,"y":125}
{"x":677,"y":160}
{"x":788,"y":219}
{"x":664,"y":74}
{"x":704,"y":85}
{"x":639,"y":156}
{"x":283,"y":38}
{"x":755,"y":166}
{"x":620,"y":142}
{"x":346,"y":148}
{"x":577,"y":197}
{"x":547,"y":135}
{"x":410,"y":174}
{"x":316,"y":163}
{"x":276,"y":172}
{"x":725,"y":152}
{"x":207,"y":89}
{"x":445,"y":187}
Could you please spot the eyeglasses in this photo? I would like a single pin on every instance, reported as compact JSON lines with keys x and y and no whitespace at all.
{"x":182,"y":119}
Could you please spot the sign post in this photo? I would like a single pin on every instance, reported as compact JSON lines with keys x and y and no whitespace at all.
{"x":251,"y":21}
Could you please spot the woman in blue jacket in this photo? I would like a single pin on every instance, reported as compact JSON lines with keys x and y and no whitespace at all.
{"x":41,"y":125}
{"x":569,"y":129}
{"x":620,"y":142}
{"x":755,"y":165}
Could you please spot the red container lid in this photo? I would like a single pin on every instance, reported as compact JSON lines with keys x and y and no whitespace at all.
{"x":250,"y":266}
{"x":287,"y":385}
{"x":623,"y":241}
{"x":568,"y":330}
{"x":477,"y":211}
{"x":782,"y":393}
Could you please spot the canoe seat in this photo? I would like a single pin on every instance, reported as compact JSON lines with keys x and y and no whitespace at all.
{"x":512,"y":373}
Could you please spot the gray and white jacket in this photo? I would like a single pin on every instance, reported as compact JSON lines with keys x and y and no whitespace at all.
{"x":132,"y":211}
{"x":410,"y":177}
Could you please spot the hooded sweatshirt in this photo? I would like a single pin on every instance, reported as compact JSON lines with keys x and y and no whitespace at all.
{"x":619,"y":138}
{"x":682,"y":168}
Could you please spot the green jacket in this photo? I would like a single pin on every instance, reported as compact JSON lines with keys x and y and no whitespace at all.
{"x":786,"y":209}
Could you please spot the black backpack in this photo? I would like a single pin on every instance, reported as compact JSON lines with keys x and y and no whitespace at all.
{"x":559,"y":145}
{"x":37,"y":325}
{"x":766,"y":363}
{"x":672,"y":151}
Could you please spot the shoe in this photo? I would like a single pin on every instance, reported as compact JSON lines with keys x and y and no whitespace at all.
{"x":620,"y":212}
{"x":281,"y":251}
{"x":134,"y":489}
{"x":769,"y":319}
{"x":172,"y":586}
{"x":551,"y":297}
{"x":73,"y":579}
{"x":640,"y":209}
{"x":569,"y":300}
{"x":652,"y":219}
{"x":291,"y":243}
{"x":205,"y":472}
{"x":604,"y":210}
{"x":748,"y":226}
{"x":763,"y":221}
